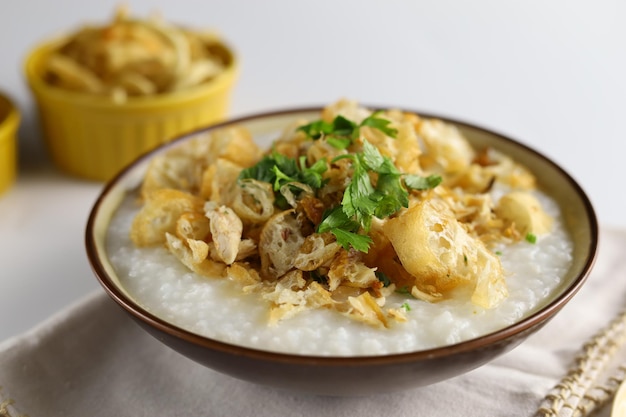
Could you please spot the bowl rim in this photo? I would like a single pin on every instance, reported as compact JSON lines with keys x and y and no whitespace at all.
{"x":197,"y":92}
{"x":538,"y":317}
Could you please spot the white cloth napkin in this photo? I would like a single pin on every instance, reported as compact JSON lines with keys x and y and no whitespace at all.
{"x":92,"y":360}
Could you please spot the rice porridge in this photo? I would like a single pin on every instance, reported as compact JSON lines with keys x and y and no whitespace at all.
{"x":196,"y":283}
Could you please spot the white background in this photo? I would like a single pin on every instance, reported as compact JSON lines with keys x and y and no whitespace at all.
{"x":548,"y":73}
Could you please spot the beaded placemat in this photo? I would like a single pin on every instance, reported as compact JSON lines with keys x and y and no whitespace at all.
{"x":594,"y":377}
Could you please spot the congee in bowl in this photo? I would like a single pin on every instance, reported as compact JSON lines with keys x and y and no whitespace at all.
{"x":342,"y":233}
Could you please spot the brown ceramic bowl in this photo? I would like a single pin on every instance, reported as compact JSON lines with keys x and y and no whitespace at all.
{"x":352,"y":375}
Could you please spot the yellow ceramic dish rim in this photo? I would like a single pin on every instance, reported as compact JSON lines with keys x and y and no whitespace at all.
{"x":9,"y":118}
{"x":32,"y":68}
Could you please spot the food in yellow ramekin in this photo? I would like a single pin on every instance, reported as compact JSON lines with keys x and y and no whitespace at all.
{"x":106,"y":94}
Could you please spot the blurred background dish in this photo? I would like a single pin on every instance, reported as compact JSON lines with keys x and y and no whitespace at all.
{"x":106,"y":94}
{"x":9,"y":122}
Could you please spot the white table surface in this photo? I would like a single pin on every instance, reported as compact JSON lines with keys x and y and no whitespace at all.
{"x":550,"y":74}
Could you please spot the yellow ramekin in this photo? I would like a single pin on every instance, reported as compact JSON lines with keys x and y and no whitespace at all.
{"x":9,"y":122}
{"x":93,"y":137}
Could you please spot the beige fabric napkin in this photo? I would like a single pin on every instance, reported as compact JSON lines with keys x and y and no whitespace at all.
{"x":92,"y":360}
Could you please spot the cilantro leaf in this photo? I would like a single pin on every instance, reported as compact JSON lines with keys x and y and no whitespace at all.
{"x":280,"y":178}
{"x":531,"y":238}
{"x":362,"y":200}
{"x":380,"y":124}
{"x":338,"y":142}
{"x":341,"y":132}
{"x":346,"y":239}
{"x":386,"y":198}
{"x":336,"y":218}
{"x":312,"y":175}
{"x":278,"y":170}
{"x":357,"y":198}
{"x":344,"y":229}
{"x":417,"y":182}
{"x":371,"y":156}
{"x":316,"y":129}
{"x":343,"y":126}
{"x":340,"y":126}
{"x":262,"y":171}
{"x":388,"y":205}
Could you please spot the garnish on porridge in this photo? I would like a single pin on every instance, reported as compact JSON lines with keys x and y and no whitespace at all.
{"x":342,"y":212}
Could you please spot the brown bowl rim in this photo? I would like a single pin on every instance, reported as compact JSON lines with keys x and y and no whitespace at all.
{"x":539,"y":317}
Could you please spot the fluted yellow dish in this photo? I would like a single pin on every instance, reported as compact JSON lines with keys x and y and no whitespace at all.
{"x":9,"y":122}
{"x":94,"y":136}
